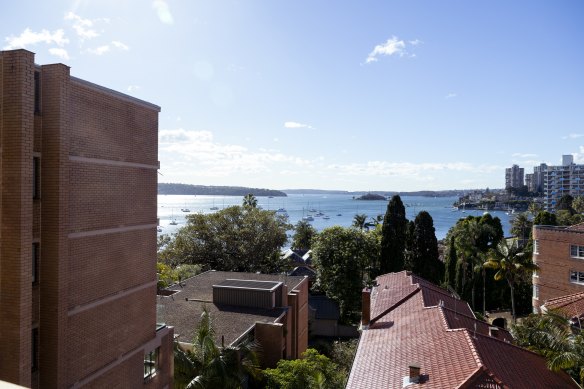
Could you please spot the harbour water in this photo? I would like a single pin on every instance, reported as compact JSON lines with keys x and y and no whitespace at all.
{"x":337,"y":209}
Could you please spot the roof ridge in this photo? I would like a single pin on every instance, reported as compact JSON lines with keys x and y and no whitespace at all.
{"x":510,"y":344}
{"x":472,"y":346}
{"x":397,"y":304}
{"x":470,"y":380}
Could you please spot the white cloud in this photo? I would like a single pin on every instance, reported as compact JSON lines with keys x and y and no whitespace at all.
{"x":406,"y":169}
{"x":29,"y":37}
{"x":393,"y":46}
{"x":163,"y":11}
{"x":573,"y":136}
{"x":133,"y":88}
{"x":297,"y":125}
{"x":208,"y":158}
{"x":101,"y":50}
{"x":520,"y":155}
{"x":59,"y":52}
{"x":82,"y":26}
{"x":120,"y":45}
{"x":450,"y":95}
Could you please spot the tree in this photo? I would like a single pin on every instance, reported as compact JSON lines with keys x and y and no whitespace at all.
{"x":249,"y":201}
{"x":341,"y":257}
{"x":393,"y":237}
{"x":304,"y":232}
{"x":565,"y":203}
{"x":521,"y":227}
{"x":450,"y":263}
{"x":550,"y":335}
{"x":511,"y":264}
{"x":545,"y":218}
{"x":211,"y":366}
{"x":534,"y":208}
{"x":359,"y":221}
{"x":425,"y":258}
{"x":578,"y":204}
{"x":312,"y":371}
{"x":232,"y":239}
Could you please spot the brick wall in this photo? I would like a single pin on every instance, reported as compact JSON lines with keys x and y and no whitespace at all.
{"x":16,"y":141}
{"x":553,"y":258}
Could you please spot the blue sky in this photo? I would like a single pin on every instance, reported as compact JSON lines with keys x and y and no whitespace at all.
{"x":368,"y":95}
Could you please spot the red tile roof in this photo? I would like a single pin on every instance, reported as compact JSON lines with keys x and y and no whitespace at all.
{"x":571,"y":305}
{"x":414,"y":321}
{"x":576,"y":227}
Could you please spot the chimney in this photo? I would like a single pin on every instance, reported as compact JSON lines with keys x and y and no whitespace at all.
{"x":365,"y":308}
{"x":494,"y":332}
{"x":414,"y":372}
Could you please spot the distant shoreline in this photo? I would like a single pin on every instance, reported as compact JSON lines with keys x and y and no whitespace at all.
{"x":210,"y":190}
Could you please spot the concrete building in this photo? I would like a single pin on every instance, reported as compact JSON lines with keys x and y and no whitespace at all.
{"x":530,"y":182}
{"x":514,"y":177}
{"x":78,"y":172}
{"x":559,"y":252}
{"x":270,"y":309}
{"x":538,"y":177}
{"x":416,"y":334}
{"x":563,"y":180}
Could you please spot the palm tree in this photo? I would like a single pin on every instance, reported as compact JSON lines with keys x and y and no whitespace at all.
{"x":508,"y":259}
{"x":249,"y":201}
{"x":471,"y":256}
{"x":521,"y":227}
{"x":359,"y":221}
{"x":211,"y":366}
{"x":550,"y":335}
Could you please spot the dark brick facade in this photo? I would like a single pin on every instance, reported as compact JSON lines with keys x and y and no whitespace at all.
{"x":92,"y":219}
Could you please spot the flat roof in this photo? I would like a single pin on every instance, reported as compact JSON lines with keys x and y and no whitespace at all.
{"x":183,"y":309}
{"x":248,"y":284}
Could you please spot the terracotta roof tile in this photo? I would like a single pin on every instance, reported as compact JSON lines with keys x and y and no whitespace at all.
{"x":450,"y":352}
{"x":571,"y":305}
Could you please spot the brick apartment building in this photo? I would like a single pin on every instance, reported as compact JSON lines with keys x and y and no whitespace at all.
{"x":559,"y":252}
{"x":78,"y":172}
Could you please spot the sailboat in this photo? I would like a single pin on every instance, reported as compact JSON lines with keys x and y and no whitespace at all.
{"x":173,"y":221}
{"x":214,"y":208}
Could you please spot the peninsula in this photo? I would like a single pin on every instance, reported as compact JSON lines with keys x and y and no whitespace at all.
{"x":185,"y":189}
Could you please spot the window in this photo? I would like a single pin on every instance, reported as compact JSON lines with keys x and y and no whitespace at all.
{"x":36,"y":178}
{"x":150,"y":363}
{"x":577,"y":251}
{"x":577,"y":277}
{"x":535,"y":247}
{"x":35,"y":262}
{"x":34,"y":352}
{"x":536,"y":292}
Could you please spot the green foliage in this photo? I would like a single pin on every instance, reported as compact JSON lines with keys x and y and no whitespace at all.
{"x":545,"y":218}
{"x":249,"y":201}
{"x":470,"y":239}
{"x":343,"y":354}
{"x":521,"y":227}
{"x":233,"y":239}
{"x":342,"y":258}
{"x":550,"y":335}
{"x":565,"y":203}
{"x":208,"y":365}
{"x":312,"y":371}
{"x":512,"y":264}
{"x":359,"y":221}
{"x":578,"y":204}
{"x":393,"y":237}
{"x":425,"y":260}
{"x":168,"y":275}
{"x":304,"y":232}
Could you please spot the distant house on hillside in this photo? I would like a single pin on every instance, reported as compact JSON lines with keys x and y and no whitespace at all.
{"x":416,"y":333}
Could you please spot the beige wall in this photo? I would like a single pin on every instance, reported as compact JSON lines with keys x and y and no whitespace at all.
{"x":553,"y":257}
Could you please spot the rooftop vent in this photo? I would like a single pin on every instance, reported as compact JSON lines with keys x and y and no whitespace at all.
{"x":248,"y":293}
